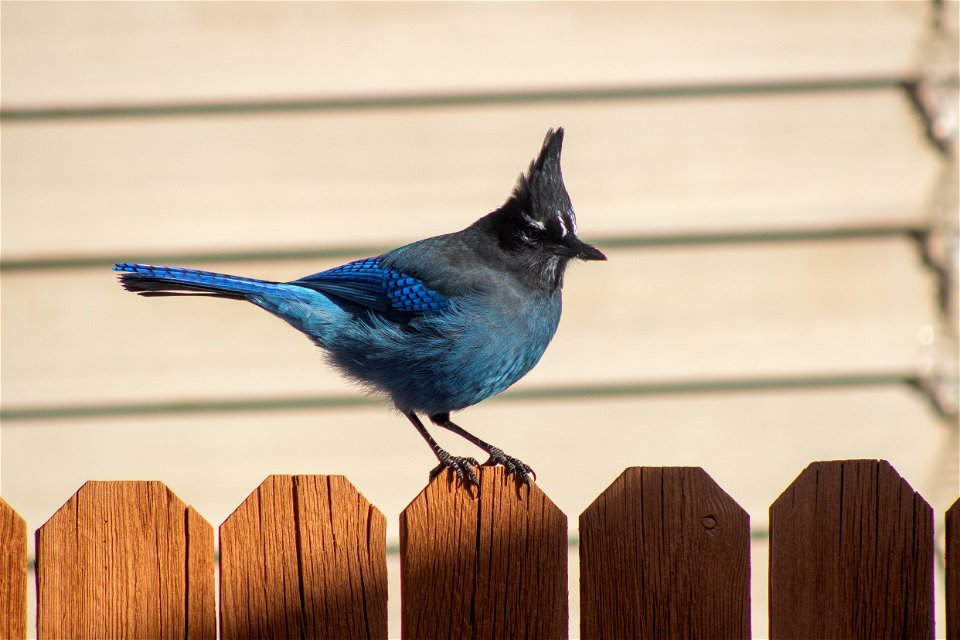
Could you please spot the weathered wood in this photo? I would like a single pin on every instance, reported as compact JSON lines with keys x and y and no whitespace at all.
{"x":304,"y":556}
{"x":953,"y":571}
{"x":125,"y":559}
{"x":664,"y":553}
{"x":851,"y":555}
{"x":13,"y":573}
{"x":490,"y":563}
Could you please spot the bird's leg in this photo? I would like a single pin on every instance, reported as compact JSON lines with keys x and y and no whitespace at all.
{"x":520,"y":470}
{"x":461,"y":465}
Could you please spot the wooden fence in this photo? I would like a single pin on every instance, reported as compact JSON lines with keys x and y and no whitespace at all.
{"x":664,"y":553}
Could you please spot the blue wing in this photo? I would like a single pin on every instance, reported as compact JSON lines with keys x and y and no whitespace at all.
{"x":370,"y":284}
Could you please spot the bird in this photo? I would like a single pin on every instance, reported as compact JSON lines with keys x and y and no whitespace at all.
{"x":436,"y":325}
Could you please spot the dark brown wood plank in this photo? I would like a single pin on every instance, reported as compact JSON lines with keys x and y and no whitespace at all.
{"x":664,"y":553}
{"x":851,"y":555}
{"x":13,"y":573}
{"x":490,"y":563}
{"x":304,"y":556}
{"x":122,"y":559}
{"x":952,"y":557}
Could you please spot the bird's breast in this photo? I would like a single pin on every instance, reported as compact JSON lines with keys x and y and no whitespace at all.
{"x":445,"y":361}
{"x":502,"y":343}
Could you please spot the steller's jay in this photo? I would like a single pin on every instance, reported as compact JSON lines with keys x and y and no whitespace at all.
{"x":437,"y":325}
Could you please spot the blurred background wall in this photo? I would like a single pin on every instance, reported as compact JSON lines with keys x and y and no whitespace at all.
{"x":774,"y":185}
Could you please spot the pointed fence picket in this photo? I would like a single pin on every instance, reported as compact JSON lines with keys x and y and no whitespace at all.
{"x":851,"y":555}
{"x":128,"y":560}
{"x":486,"y":564}
{"x":664,"y":553}
{"x":304,"y":557}
{"x":13,"y":573}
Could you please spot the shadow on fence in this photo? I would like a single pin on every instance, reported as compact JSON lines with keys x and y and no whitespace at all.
{"x":664,"y":553}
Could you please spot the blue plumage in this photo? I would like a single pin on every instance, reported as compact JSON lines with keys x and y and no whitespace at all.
{"x":437,"y":325}
{"x":202,"y":280}
{"x":367,"y":282}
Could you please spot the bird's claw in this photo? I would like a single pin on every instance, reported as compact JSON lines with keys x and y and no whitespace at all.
{"x":518,"y":468}
{"x":461,"y":465}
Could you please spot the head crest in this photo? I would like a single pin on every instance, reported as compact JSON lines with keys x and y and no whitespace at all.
{"x":544,"y":174}
{"x":549,"y":159}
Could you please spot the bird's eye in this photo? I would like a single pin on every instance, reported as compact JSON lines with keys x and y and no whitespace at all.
{"x":526,"y":239}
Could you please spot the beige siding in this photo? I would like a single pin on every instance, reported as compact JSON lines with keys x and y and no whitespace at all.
{"x":101,"y":53}
{"x":173,"y":185}
{"x":805,"y":309}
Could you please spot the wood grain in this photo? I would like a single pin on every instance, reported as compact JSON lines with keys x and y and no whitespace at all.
{"x":125,"y":559}
{"x":13,"y":573}
{"x":664,"y":553}
{"x":851,"y":555}
{"x":303,"y":556}
{"x":491,"y":564}
{"x":64,"y":53}
{"x":952,"y":558}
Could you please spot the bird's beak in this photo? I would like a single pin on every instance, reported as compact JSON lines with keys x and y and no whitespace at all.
{"x":585,"y":251}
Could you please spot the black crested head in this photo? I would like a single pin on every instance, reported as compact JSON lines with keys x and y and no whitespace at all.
{"x":541,"y":189}
{"x":536,"y":228}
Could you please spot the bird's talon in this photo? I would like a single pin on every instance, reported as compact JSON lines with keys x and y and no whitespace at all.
{"x":513,"y":466}
{"x":461,"y":465}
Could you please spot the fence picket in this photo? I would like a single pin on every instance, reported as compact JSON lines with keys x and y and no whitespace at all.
{"x":13,"y":573}
{"x":851,"y":555}
{"x":125,"y":559}
{"x":953,"y":571}
{"x":664,"y":553}
{"x":491,"y":563}
{"x":304,"y":557}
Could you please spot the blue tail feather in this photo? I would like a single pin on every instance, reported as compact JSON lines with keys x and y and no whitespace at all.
{"x":150,"y":280}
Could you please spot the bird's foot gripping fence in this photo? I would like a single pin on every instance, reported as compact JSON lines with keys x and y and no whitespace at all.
{"x":664,"y":552}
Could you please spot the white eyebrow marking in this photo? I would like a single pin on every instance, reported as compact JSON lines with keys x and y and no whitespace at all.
{"x":530,"y":221}
{"x":563,"y":225}
{"x":573,"y":223}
